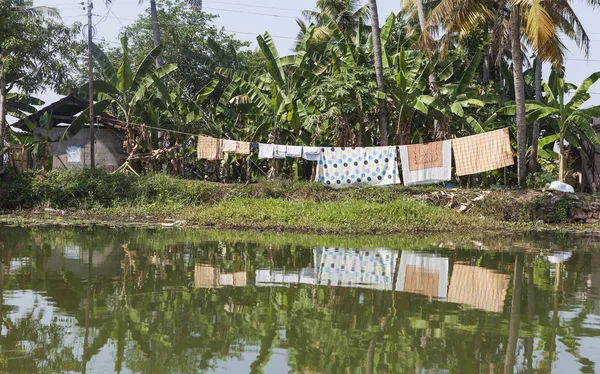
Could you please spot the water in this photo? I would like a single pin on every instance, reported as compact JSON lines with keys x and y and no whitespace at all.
{"x":102,"y":300}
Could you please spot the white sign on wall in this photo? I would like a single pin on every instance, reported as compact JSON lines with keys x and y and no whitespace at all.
{"x":73,"y":153}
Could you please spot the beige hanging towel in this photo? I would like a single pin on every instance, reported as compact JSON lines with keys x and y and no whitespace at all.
{"x":229,"y":146}
{"x":243,"y":148}
{"x":482,"y":152}
{"x":209,"y":148}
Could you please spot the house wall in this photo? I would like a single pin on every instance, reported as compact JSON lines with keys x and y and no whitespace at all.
{"x":108,"y":149}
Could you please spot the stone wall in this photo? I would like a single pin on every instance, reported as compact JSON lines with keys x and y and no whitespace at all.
{"x":75,"y":152}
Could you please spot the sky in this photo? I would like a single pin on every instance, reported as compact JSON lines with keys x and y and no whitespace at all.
{"x":249,"y":18}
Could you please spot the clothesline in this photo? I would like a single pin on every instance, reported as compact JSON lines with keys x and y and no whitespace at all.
{"x":340,"y":167}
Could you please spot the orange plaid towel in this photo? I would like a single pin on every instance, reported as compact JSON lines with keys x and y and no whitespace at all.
{"x":210,"y":148}
{"x":482,"y":152}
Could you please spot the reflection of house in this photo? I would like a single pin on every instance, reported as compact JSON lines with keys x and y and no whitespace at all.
{"x":423,"y":273}
{"x":479,"y":287}
{"x":210,"y":276}
{"x":73,"y":259}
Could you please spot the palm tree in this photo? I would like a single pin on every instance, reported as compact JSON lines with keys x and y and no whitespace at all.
{"x":383,"y":114}
{"x":541,"y":24}
{"x":574,"y":123}
{"x":196,"y":4}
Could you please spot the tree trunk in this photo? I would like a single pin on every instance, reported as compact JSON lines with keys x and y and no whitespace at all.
{"x":536,"y":125}
{"x":486,"y":64}
{"x":3,"y":125}
{"x":517,"y":56}
{"x":433,"y":85}
{"x":156,"y":31}
{"x":383,"y":115}
{"x":561,"y":157}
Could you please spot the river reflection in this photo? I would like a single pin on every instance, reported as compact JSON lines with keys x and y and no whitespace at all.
{"x":160,"y":301}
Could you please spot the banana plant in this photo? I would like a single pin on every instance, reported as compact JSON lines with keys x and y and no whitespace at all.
{"x":122,"y":90}
{"x":570,"y":121}
{"x":276,"y":96}
{"x":457,"y":102}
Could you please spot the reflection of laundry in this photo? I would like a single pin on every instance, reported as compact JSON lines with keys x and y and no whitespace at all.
{"x":273,"y":277}
{"x":210,"y":276}
{"x":559,"y":257}
{"x":339,"y":267}
{"x":365,"y":268}
{"x":423,"y":273}
{"x":479,"y":287}
{"x":206,"y":276}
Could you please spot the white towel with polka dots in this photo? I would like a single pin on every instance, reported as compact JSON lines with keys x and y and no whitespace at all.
{"x":358,"y":166}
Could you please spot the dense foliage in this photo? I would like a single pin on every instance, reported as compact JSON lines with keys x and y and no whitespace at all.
{"x":326,"y":92}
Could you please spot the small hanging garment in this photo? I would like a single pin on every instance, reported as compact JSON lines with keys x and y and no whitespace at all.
{"x":265,"y":150}
{"x":311,"y":153}
{"x":243,"y":148}
{"x":482,"y":152}
{"x":351,"y":167}
{"x":209,"y":148}
{"x":427,"y":163}
{"x":294,"y":151}
{"x":280,"y":151}
{"x":229,"y":146}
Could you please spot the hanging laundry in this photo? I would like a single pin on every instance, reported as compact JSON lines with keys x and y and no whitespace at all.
{"x":427,"y":163}
{"x":253,"y":145}
{"x":311,"y":153}
{"x":243,"y":148}
{"x":351,"y":167}
{"x":265,"y":150}
{"x":482,"y":152}
{"x":294,"y":151}
{"x":209,"y":148}
{"x":280,"y":151}
{"x":229,"y":146}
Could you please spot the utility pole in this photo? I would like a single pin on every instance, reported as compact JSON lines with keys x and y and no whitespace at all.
{"x":91,"y":83}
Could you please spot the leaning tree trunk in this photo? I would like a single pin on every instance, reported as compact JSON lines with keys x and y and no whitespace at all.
{"x":517,"y":56}
{"x":433,"y":84}
{"x":156,"y":31}
{"x":383,"y":114}
{"x":3,"y":125}
{"x":536,"y":125}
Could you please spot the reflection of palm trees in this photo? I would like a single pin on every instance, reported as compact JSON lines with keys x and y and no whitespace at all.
{"x":515,"y":314}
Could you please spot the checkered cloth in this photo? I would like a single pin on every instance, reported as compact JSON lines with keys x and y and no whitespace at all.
{"x":210,"y":148}
{"x":243,"y":148}
{"x":482,"y":152}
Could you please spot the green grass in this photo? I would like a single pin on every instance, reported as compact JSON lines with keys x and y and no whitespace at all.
{"x":285,"y":205}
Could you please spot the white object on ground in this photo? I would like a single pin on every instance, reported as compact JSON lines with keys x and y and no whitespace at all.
{"x":562,"y":187}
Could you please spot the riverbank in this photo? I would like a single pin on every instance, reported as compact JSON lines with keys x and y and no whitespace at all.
{"x":95,"y":197}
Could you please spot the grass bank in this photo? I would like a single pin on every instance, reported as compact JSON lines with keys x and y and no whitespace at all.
{"x":95,"y":196}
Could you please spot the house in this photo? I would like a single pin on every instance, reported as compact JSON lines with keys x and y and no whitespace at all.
{"x":74,"y":152}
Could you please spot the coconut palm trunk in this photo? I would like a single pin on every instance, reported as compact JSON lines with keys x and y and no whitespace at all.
{"x":519,"y":81}
{"x":156,"y":32}
{"x":536,"y":125}
{"x":433,"y":85}
{"x":3,"y":125}
{"x":383,"y":114}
